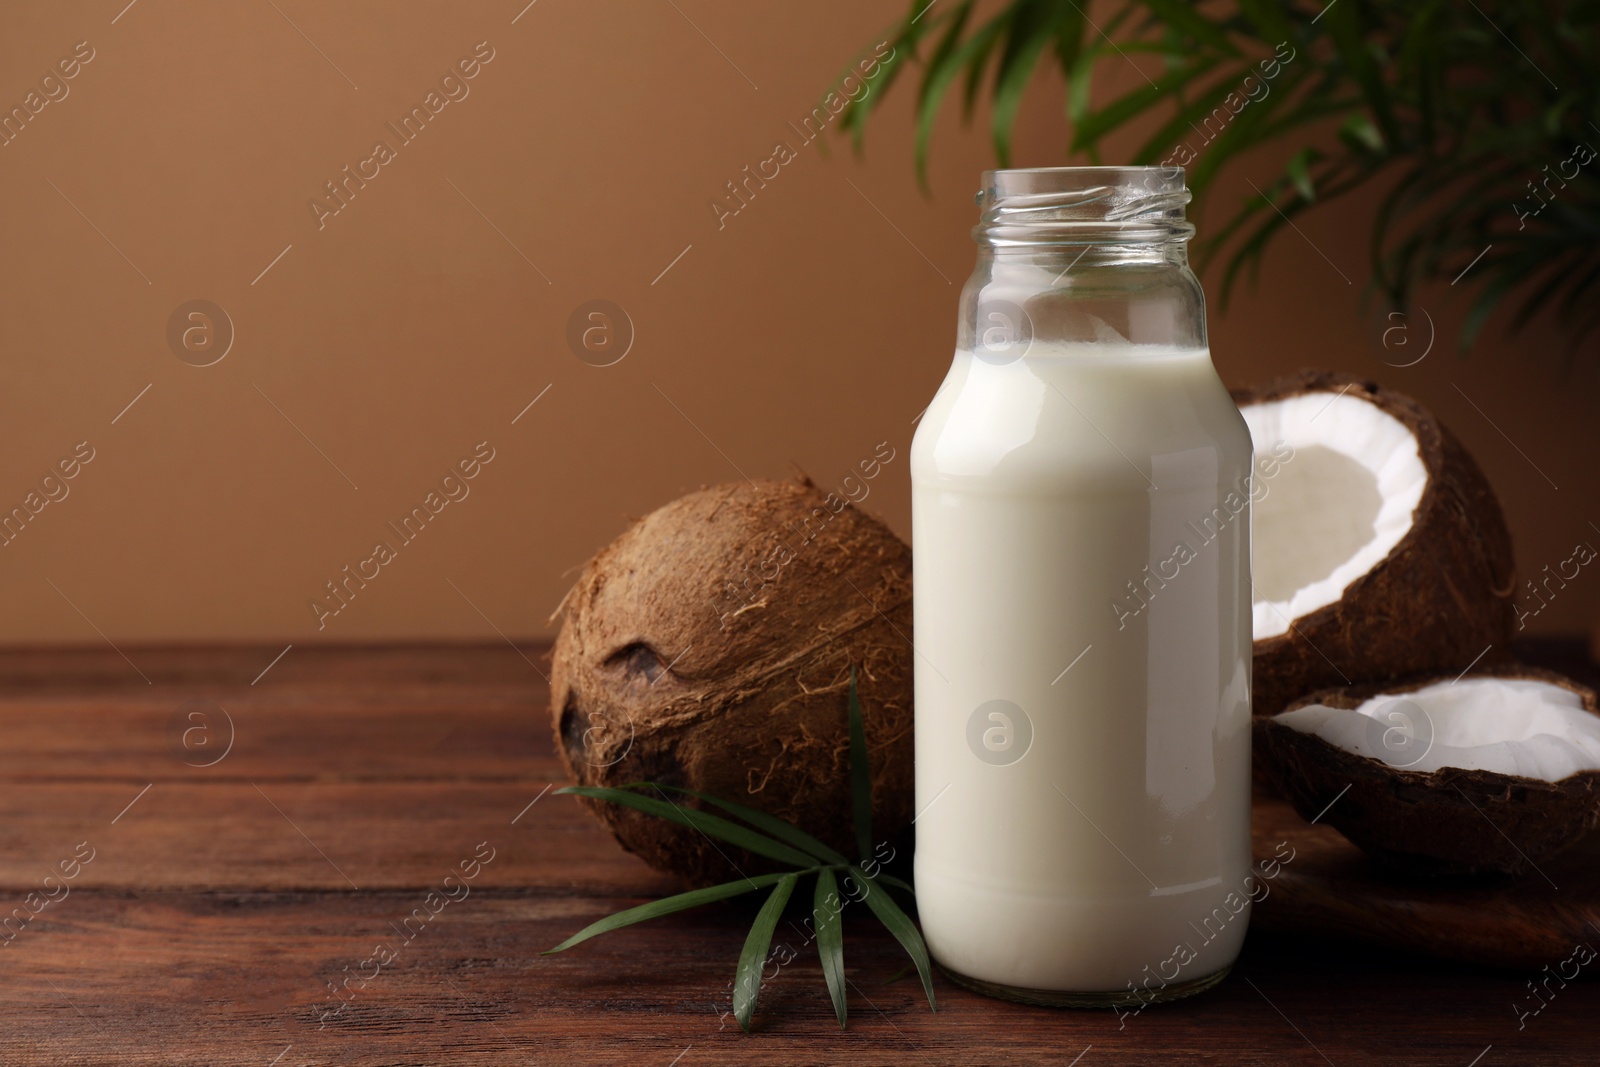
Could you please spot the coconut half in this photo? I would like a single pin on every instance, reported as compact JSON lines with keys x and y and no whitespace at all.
{"x":1379,"y":548}
{"x":1493,"y":772}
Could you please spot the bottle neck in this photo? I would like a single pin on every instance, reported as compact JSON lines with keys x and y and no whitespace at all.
{"x":1083,"y":207}
{"x":1075,"y":256}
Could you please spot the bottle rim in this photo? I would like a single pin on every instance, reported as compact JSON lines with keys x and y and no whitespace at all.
{"x":1098,"y":205}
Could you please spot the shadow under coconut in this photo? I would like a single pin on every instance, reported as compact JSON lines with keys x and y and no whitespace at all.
{"x":1331,"y":888}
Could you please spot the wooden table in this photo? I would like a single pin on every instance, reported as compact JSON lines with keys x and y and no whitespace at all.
{"x":222,"y":900}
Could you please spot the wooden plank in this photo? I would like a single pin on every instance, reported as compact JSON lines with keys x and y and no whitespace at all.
{"x":468,"y":711}
{"x":380,"y":672}
{"x":306,"y":737}
{"x":283,"y":836}
{"x":337,"y":836}
{"x":209,"y":978}
{"x":217,"y":908}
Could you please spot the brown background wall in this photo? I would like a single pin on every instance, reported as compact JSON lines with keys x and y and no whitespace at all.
{"x":380,"y":348}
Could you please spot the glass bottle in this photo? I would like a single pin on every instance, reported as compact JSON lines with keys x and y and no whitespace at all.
{"x":1081,"y":528}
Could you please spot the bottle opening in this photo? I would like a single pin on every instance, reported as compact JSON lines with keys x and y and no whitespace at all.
{"x":1083,"y":206}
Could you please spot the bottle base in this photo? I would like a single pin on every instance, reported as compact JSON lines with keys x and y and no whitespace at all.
{"x":1062,"y":998}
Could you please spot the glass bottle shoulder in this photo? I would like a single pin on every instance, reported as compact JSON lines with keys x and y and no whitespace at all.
{"x":1078,"y":415}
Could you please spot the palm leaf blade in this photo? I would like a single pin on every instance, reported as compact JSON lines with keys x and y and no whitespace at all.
{"x":666,"y":906}
{"x":774,"y":826}
{"x":1501,"y":92}
{"x":747,"y":979}
{"x":830,"y":941}
{"x":706,"y":823}
{"x":904,"y":930}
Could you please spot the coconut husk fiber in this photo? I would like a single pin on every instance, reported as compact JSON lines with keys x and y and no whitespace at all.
{"x":710,"y":648}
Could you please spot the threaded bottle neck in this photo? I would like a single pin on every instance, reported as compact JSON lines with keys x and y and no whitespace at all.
{"x":1102,"y":206}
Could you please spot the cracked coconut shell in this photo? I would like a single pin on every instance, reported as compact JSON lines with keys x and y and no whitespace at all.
{"x":1448,"y":821}
{"x":1440,"y":597}
{"x":710,"y":648}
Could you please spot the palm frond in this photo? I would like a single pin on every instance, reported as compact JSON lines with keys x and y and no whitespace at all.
{"x":1474,"y":115}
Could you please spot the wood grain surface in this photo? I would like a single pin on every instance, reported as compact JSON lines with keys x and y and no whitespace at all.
{"x":222,"y":900}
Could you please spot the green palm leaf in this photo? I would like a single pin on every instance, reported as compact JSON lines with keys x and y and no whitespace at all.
{"x":747,"y":979}
{"x":666,"y":906}
{"x":706,"y":823}
{"x":786,"y":843}
{"x":904,"y":930}
{"x":948,"y":62}
{"x":830,"y":941}
{"x":1425,"y":94}
{"x":773,"y":825}
{"x":1035,"y":28}
{"x":891,"y":880}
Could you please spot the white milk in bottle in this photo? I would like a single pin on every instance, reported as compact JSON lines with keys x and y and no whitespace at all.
{"x":1081,"y":532}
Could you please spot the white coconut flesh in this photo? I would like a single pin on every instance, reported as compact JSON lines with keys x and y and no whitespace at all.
{"x":1512,"y":726}
{"x":1334,"y":508}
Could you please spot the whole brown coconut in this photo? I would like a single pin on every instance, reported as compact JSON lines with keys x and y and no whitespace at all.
{"x":710,"y":647}
{"x":1440,"y":599}
{"x":1448,"y":821}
